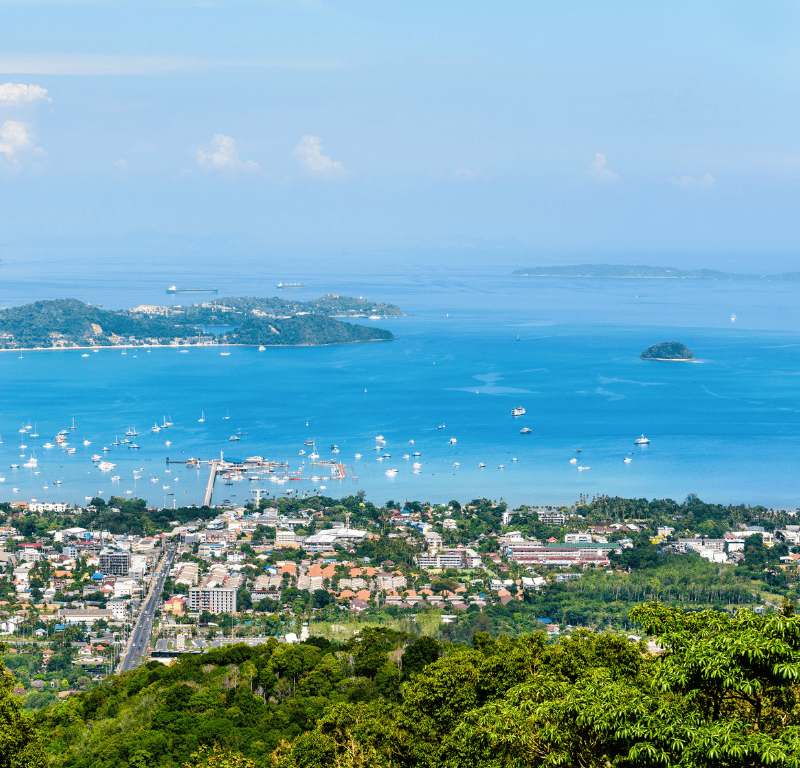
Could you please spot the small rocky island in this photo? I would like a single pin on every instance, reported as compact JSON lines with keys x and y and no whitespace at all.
{"x":668,"y":350}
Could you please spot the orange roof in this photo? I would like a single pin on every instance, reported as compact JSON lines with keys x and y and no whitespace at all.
{"x":425,"y":592}
{"x":411,"y":593}
{"x":347,"y":593}
{"x":503,"y":593}
{"x":329,"y":572}
{"x":288,"y":568}
{"x":370,"y":571}
{"x":315,"y":571}
{"x":363,"y":594}
{"x":355,"y":572}
{"x":461,"y":589}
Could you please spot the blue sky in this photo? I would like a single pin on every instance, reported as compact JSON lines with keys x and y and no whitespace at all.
{"x":577,"y":125}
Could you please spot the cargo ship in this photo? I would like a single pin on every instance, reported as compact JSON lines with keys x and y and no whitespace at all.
{"x":175,"y":289}
{"x":290,"y":286}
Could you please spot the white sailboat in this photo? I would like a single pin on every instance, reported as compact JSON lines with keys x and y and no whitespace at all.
{"x":34,"y":433}
{"x":202,"y":417}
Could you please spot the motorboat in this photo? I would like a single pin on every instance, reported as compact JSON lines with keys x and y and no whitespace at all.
{"x":582,"y":468}
{"x":452,"y":441}
{"x":526,"y":431}
{"x":417,"y":454}
{"x":627,"y":459}
{"x":106,"y":448}
{"x":234,"y":437}
{"x":357,"y":456}
{"x":96,"y":457}
{"x":87,"y":442}
{"x":105,"y":466}
{"x":573,"y":461}
{"x":518,"y":411}
{"x":380,"y":437}
{"x":406,"y":456}
{"x":481,"y":465}
{"x":641,"y":440}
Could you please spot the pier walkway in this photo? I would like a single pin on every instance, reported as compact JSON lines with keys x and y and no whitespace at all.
{"x":212,"y":476}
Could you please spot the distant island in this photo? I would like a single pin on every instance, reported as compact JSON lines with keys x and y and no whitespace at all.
{"x":668,"y":350}
{"x":69,"y":323}
{"x":622,"y":271}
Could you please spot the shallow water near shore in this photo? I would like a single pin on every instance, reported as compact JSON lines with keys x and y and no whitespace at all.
{"x":476,"y":343}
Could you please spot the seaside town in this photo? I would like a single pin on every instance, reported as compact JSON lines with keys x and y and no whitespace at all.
{"x":82,"y":596}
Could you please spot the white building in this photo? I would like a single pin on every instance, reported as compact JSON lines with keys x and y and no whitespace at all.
{"x":215,"y":600}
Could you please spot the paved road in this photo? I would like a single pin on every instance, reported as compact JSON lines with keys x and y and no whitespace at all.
{"x":140,"y":637}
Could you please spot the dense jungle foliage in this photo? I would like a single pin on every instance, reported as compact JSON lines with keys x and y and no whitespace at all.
{"x":720,"y":690}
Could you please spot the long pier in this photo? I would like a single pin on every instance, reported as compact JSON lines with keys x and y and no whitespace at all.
{"x":212,"y":476}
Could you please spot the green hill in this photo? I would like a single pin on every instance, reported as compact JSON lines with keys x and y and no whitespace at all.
{"x":273,"y":322}
{"x":668,"y":350}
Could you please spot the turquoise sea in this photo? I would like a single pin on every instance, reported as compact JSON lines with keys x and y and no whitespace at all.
{"x":475,"y":343}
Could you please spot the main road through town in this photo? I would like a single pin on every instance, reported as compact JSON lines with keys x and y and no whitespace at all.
{"x":140,"y":637}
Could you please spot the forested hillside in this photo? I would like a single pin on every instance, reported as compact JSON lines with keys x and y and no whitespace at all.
{"x":272,"y":322}
{"x":715,"y":690}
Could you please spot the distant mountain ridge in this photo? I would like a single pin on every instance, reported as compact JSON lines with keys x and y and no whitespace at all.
{"x":644,"y":271}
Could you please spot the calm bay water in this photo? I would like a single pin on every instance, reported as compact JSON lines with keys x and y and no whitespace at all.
{"x":726,"y":428}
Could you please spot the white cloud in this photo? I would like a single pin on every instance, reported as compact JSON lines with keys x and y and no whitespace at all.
{"x":465,"y":173}
{"x":122,"y":165}
{"x":17,"y":142}
{"x":309,"y":154}
{"x":98,"y":64}
{"x":16,"y":94}
{"x":690,"y":182}
{"x":597,"y":169}
{"x":225,"y":157}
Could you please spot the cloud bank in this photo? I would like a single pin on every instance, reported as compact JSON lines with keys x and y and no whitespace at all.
{"x":17,"y":143}
{"x":17,"y":94}
{"x":309,"y":154}
{"x":97,"y":64}
{"x":690,"y":182}
{"x":599,"y":172}
{"x":225,"y":156}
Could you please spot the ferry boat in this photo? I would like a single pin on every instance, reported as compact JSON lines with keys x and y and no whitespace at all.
{"x":175,"y":289}
{"x":290,"y":286}
{"x":518,"y":411}
{"x":641,"y":440}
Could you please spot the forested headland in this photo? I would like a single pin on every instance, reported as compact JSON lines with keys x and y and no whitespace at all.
{"x":66,"y":323}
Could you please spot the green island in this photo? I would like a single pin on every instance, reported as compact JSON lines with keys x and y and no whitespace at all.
{"x":681,"y":649}
{"x":69,"y":323}
{"x":668,"y":350}
{"x":641,"y":271}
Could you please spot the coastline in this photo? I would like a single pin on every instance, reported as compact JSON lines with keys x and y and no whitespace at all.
{"x":672,"y":359}
{"x":188,"y":346}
